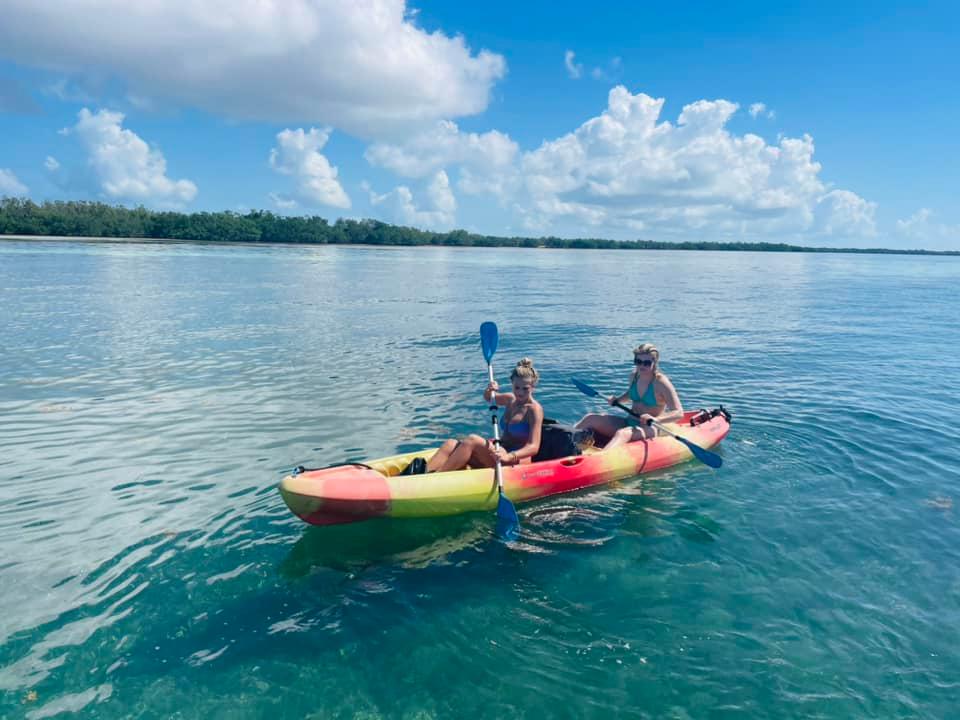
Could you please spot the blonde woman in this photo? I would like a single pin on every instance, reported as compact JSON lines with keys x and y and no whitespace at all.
{"x":651,"y":394}
{"x":520,"y":428}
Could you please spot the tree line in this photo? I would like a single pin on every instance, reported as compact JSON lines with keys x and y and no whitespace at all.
{"x":76,"y":218}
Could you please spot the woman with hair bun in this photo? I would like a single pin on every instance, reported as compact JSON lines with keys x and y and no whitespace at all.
{"x":652,"y":396}
{"x":520,"y":428}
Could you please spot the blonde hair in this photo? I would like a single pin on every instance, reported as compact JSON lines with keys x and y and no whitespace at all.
{"x":649,"y":349}
{"x":525,"y":371}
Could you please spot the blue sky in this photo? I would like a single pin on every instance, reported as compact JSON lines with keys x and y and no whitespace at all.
{"x":822,"y":124}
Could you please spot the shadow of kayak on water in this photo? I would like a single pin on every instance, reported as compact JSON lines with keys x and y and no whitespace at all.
{"x":411,"y":543}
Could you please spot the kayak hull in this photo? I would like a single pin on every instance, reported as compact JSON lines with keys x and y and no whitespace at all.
{"x":361,"y":491}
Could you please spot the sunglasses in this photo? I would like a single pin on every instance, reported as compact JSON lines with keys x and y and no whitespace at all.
{"x":643,"y":363}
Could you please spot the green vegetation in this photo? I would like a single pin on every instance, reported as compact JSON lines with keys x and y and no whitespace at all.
{"x":93,"y":219}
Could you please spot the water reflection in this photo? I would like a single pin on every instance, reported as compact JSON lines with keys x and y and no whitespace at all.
{"x":152,"y":396}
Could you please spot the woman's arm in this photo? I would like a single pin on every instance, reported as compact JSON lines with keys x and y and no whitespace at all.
{"x":672,"y":409}
{"x":535,"y":418}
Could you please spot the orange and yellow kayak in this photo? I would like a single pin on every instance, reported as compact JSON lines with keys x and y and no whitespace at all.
{"x":360,"y":491}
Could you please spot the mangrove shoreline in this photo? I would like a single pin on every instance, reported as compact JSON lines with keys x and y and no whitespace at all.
{"x":94,"y":220}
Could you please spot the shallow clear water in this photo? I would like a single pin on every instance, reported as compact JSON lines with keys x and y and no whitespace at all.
{"x":152,"y":396}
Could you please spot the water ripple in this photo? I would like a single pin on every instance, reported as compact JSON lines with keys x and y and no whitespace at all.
{"x":151,"y":397}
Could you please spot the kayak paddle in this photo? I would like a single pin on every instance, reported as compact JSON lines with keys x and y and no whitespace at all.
{"x":508,"y":523}
{"x":701,"y":454}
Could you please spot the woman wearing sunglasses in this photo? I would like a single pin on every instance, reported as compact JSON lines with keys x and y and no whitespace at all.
{"x":652,"y":395}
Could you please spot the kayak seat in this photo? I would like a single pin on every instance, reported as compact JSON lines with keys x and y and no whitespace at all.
{"x":557,"y":440}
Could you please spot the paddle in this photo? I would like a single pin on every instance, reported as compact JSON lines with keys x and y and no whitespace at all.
{"x":701,"y":454}
{"x":508,"y":523}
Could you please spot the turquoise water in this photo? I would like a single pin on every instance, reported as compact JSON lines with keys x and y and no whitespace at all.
{"x":152,"y":396}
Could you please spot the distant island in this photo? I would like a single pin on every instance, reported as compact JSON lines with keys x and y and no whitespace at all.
{"x":19,"y":216}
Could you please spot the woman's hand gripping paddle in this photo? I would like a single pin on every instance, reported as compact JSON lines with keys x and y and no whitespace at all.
{"x":508,"y":523}
{"x":701,"y":454}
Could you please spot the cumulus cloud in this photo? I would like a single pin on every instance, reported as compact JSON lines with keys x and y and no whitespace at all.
{"x":440,"y":207}
{"x":363,"y":66}
{"x":627,"y":169}
{"x":298,"y":155}
{"x":51,"y":164}
{"x":923,"y":231}
{"x":126,"y":167}
{"x":845,"y":214}
{"x":574,"y":70}
{"x":758,"y":108}
{"x":9,"y":184}
{"x":627,"y":173}
{"x":442,"y":145}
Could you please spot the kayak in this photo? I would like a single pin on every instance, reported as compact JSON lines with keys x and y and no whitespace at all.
{"x":360,"y":491}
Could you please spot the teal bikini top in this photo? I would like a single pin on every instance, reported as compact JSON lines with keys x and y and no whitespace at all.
{"x":649,"y":397}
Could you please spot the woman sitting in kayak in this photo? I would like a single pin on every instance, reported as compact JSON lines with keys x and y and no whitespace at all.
{"x":652,"y":396}
{"x":520,"y":428}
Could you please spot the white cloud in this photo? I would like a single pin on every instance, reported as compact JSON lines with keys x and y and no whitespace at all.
{"x":916,"y":224}
{"x":363,"y":66}
{"x":626,"y":173}
{"x":607,"y":74}
{"x":124,"y":165}
{"x":574,"y":70}
{"x":758,"y":108}
{"x":845,"y":214}
{"x":298,"y":154}
{"x":9,"y":184}
{"x":400,"y":205}
{"x":282,"y":201}
{"x":442,"y":145}
{"x":924,"y":232}
{"x":625,"y":169}
{"x":51,"y":164}
{"x":68,"y":91}
{"x":610,"y":73}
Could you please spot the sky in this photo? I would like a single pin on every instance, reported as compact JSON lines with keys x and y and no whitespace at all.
{"x":818,"y":123}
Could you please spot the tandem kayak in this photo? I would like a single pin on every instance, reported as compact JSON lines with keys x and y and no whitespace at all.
{"x":361,"y":491}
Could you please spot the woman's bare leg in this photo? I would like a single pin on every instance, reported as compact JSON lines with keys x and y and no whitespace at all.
{"x":441,"y":455}
{"x":460,"y":457}
{"x":604,"y":425}
{"x":629,"y":434}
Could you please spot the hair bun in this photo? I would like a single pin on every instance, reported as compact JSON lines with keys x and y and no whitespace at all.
{"x":525,"y":370}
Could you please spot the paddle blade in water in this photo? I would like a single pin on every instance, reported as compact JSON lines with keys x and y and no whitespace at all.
{"x":489,"y":339}
{"x":701,"y":454}
{"x":584,"y":388}
{"x":508,"y":523}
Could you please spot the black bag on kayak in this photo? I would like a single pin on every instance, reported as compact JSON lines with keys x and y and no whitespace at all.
{"x":556,"y":441}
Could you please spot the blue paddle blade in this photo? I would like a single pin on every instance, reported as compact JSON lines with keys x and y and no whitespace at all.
{"x":704,"y":456}
{"x":584,"y":388}
{"x":489,"y":339}
{"x":508,"y":523}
